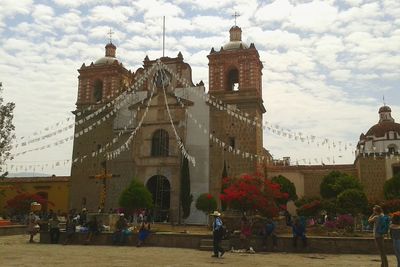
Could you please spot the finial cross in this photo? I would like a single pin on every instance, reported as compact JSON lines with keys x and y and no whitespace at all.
{"x":110,"y":33}
{"x":383,"y":98}
{"x":235,"y":16}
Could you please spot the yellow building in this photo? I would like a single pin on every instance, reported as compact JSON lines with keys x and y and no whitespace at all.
{"x":54,"y":188}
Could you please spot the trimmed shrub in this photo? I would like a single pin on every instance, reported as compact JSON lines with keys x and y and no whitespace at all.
{"x":135,"y":196}
{"x":336,"y":182}
{"x":352,"y":201}
{"x":206,"y":203}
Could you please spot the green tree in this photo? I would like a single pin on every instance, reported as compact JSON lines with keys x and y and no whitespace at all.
{"x":391,"y":187}
{"x":206,"y":203}
{"x":336,"y":182}
{"x":352,"y":201}
{"x":286,"y":187}
{"x":135,"y":196}
{"x":6,"y":128}
{"x":186,"y":196}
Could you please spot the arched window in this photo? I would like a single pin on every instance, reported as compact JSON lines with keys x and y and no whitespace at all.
{"x":160,"y":143}
{"x":392,"y":149}
{"x":233,"y":80}
{"x":98,"y":90}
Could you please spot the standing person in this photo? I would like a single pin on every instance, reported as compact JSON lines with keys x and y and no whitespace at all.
{"x":33,"y":226}
{"x":121,"y":226}
{"x":395,"y":234}
{"x":245,"y":232}
{"x":380,"y":223}
{"x":217,"y":235}
{"x":144,"y":232}
{"x":83,"y":217}
{"x":299,"y":231}
{"x":54,"y":225}
{"x":93,"y":229}
{"x":269,"y":231}
{"x":70,"y":228}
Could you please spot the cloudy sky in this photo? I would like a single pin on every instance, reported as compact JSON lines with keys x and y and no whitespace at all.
{"x":327,"y":64}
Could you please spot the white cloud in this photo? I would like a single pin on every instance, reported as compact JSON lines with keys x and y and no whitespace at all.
{"x":278,"y":10}
{"x":211,"y":24}
{"x":205,"y":4}
{"x":202,"y":43}
{"x":43,"y":13}
{"x":341,"y":75}
{"x":353,"y":2}
{"x":79,"y":3}
{"x":111,"y":14}
{"x":10,"y":8}
{"x":156,"y":9}
{"x":315,"y":16}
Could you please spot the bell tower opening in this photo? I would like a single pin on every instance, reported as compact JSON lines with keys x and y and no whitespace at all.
{"x":233,"y":80}
{"x":98,"y":90}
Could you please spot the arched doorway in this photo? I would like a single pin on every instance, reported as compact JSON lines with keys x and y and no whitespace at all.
{"x":160,"y":189}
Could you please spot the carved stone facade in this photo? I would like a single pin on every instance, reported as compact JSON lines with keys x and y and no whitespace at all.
{"x":153,"y":157}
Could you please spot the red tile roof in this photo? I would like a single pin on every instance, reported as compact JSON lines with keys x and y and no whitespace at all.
{"x":35,"y":179}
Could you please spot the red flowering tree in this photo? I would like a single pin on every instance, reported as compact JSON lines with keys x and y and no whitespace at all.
{"x":253,"y":193}
{"x":21,"y":203}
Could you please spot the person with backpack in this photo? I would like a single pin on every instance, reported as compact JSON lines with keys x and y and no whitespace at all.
{"x":381,"y":226}
{"x":218,"y":232}
{"x":267,"y":232}
{"x":299,"y":231}
{"x":395,"y":235}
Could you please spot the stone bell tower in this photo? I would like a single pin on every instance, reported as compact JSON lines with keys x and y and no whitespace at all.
{"x":99,"y":83}
{"x":235,"y":79}
{"x":102,"y":80}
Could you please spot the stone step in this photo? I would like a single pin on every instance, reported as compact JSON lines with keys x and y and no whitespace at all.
{"x":207,"y":244}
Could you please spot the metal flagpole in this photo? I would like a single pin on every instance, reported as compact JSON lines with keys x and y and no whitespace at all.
{"x":163,"y":47}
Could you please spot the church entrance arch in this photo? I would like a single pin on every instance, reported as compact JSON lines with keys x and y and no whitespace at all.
{"x":160,"y":189}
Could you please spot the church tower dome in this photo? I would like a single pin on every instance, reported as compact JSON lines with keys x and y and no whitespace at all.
{"x":383,"y":137}
{"x":235,"y":39}
{"x":109,"y":57}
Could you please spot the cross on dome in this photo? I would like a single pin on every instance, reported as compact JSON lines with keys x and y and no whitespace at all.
{"x":235,"y":16}
{"x":110,"y":33}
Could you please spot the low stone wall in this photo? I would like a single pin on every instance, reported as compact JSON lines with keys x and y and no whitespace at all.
{"x":328,"y":245}
{"x":176,"y":240}
{"x":317,"y":244}
{"x":13,"y":230}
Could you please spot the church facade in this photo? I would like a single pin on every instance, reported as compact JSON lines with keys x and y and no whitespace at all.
{"x":140,"y":124}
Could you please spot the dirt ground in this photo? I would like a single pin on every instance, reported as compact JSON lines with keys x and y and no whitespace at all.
{"x":16,"y":251}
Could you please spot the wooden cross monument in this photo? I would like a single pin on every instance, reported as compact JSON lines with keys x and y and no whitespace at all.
{"x":103,"y":177}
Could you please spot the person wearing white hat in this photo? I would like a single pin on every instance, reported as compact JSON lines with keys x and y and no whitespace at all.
{"x":121,"y":225}
{"x":217,"y":235}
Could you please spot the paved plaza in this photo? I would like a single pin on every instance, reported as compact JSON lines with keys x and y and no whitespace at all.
{"x":15,"y":251}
